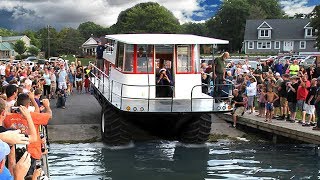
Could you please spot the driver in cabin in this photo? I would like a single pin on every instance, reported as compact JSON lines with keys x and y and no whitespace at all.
{"x":142,"y":58}
{"x":165,"y":81}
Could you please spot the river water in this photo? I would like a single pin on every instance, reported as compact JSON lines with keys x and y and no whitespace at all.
{"x":170,"y":160}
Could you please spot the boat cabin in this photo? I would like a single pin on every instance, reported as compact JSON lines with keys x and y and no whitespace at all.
{"x":147,"y":67}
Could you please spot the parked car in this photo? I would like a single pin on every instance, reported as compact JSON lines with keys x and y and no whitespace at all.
{"x":308,"y":61}
{"x":31,"y":58}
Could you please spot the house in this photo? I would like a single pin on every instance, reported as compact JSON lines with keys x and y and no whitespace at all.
{"x":89,"y":47}
{"x":7,"y":44}
{"x":279,"y":35}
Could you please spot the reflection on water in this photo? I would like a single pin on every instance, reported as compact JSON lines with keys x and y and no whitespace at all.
{"x":171,"y":160}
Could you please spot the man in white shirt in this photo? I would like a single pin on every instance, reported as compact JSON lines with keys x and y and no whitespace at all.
{"x":2,"y":69}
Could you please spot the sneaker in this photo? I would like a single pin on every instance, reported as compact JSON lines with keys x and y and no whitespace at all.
{"x":292,"y":121}
{"x":312,"y":124}
{"x":63,"y":107}
{"x":305,"y":124}
{"x":232,"y":126}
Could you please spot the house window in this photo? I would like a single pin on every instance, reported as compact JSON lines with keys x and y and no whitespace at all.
{"x":310,"y":32}
{"x":264,"y":45}
{"x":302,"y":44}
{"x":277,"y":45}
{"x":264,"y":33}
{"x":184,"y":59}
{"x":250,"y":45}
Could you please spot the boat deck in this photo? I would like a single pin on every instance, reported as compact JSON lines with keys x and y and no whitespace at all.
{"x":114,"y":95}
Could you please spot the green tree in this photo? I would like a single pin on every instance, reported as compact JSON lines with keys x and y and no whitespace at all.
{"x":33,"y":38}
{"x":146,"y":18}
{"x":229,"y":23}
{"x":256,"y":12}
{"x":89,"y":29}
{"x":315,"y":23}
{"x":271,"y":8}
{"x":33,"y":50}
{"x":70,"y":41}
{"x":6,"y":32}
{"x":43,"y":37}
{"x":20,"y":47}
{"x":194,"y":28}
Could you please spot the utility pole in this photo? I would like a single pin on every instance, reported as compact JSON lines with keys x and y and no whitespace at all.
{"x":48,"y":41}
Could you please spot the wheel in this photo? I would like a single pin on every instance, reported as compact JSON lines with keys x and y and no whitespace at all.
{"x":114,"y":129}
{"x":196,"y":130}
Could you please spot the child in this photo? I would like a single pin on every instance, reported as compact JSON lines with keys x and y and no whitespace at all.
{"x":271,"y":97}
{"x":87,"y":84}
{"x":262,"y":101}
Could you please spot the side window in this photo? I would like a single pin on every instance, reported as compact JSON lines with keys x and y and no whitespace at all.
{"x":120,"y":55}
{"x":145,"y":59}
{"x":128,"y":58}
{"x":184,"y":59}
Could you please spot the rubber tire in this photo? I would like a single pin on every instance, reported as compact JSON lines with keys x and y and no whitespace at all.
{"x":196,"y":130}
{"x":114,"y":129}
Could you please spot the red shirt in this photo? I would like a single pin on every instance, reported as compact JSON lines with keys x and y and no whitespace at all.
{"x":16,"y":121}
{"x":302,"y":93}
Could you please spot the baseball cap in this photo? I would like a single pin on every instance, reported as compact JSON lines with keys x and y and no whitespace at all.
{"x":4,"y":150}
{"x":277,"y":74}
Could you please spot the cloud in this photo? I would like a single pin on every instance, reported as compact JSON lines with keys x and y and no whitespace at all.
{"x":291,"y":7}
{"x":62,"y":13}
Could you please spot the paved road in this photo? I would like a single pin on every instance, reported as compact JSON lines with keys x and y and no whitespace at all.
{"x":79,"y":122}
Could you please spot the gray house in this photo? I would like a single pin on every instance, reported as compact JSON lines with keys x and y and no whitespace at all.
{"x":279,"y":35}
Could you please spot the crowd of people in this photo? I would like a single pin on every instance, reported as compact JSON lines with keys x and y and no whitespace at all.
{"x":26,"y":95}
{"x":279,"y":91}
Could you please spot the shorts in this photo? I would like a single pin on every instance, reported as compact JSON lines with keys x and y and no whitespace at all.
{"x":269,"y":106}
{"x":262,"y":105}
{"x":309,"y":109}
{"x":300,"y":105}
{"x":283,"y":101}
{"x":251,"y":101}
{"x":239,"y":111}
{"x":100,"y":64}
{"x":292,"y":106}
{"x":62,"y":85}
{"x":78,"y":79}
{"x":276,"y":103}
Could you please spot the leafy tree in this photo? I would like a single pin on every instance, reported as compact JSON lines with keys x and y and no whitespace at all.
{"x":89,"y":28}
{"x":20,"y":47}
{"x":256,"y":12}
{"x":271,"y":8}
{"x":315,"y":23}
{"x":34,"y":51}
{"x":6,"y":32}
{"x":33,"y":38}
{"x":229,"y":23}
{"x":146,"y":18}
{"x":42,"y":35}
{"x":194,"y":28}
{"x":70,"y":41}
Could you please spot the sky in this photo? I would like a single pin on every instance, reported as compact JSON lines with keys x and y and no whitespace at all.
{"x":34,"y":14}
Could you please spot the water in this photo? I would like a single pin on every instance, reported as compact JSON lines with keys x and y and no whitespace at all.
{"x":169,"y":160}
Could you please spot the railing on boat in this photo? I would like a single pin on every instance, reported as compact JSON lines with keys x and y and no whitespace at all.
{"x":101,"y":79}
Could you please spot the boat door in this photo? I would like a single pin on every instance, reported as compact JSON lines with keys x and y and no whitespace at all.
{"x":164,"y":56}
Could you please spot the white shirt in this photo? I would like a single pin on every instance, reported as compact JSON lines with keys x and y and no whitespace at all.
{"x":252,"y":89}
{"x":2,"y":70}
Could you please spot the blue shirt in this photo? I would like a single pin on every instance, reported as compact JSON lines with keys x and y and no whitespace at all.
{"x":62,"y":76}
{"x":5,"y":175}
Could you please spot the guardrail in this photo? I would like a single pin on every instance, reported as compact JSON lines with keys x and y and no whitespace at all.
{"x":103,"y":80}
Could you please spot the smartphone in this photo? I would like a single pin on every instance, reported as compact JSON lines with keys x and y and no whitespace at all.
{"x":14,"y":109}
{"x":20,"y":150}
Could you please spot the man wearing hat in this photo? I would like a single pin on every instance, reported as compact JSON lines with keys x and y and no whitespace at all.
{"x":4,"y":151}
{"x":294,"y":68}
{"x":292,"y":88}
{"x":317,"y":105}
{"x":100,"y":61}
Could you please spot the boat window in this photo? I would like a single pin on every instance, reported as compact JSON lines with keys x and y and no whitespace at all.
{"x":145,"y":59}
{"x":110,"y":46}
{"x":120,"y":54}
{"x":184,"y":59}
{"x":128,"y":59}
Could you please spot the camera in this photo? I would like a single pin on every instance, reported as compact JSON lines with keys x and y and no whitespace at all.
{"x":14,"y":109}
{"x":20,"y":150}
{"x":41,"y":103}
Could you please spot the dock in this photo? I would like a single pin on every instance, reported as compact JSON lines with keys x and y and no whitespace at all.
{"x":277,"y":128}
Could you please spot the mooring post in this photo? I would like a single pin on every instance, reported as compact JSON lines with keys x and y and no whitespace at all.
{"x":274,"y":138}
